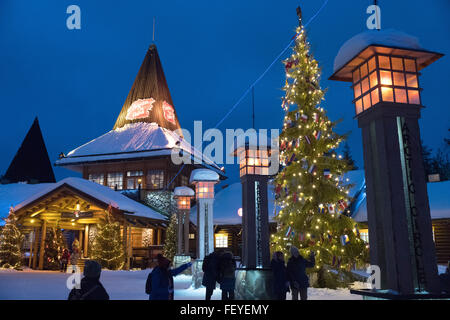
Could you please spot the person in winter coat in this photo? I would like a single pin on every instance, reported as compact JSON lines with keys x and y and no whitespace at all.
{"x":210,"y":269}
{"x":296,"y":272}
{"x":227,"y":277}
{"x":74,"y":257}
{"x":161,"y":278}
{"x":65,"y":260}
{"x":280,"y":280}
{"x":91,"y":288}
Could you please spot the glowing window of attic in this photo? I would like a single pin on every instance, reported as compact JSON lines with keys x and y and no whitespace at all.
{"x":221,"y":240}
{"x":115,"y":180}
{"x":97,"y":178}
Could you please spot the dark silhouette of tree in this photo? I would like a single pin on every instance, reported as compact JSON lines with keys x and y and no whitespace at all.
{"x":348,"y":157}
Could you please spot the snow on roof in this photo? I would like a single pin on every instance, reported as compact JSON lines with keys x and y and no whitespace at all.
{"x":102,"y":193}
{"x":227,"y":203}
{"x":14,"y":193}
{"x":183,"y":192}
{"x":131,"y":141}
{"x":438,"y":198}
{"x":203,"y":175}
{"x":384,"y":37}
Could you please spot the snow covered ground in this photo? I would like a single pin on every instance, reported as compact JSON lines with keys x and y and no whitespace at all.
{"x":120,"y":285}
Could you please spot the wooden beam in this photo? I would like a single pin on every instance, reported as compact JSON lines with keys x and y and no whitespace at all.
{"x":36,"y":237}
{"x":86,"y":240}
{"x":42,"y":249}
{"x":31,"y":246}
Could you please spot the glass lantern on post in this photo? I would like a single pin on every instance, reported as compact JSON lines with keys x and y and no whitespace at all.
{"x":183,"y":196}
{"x":386,"y":91}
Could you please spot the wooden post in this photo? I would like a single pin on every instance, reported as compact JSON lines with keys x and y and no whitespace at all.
{"x":125,"y":245}
{"x":86,"y":240}
{"x":42,"y":249}
{"x":36,"y":243}
{"x":159,"y":236}
{"x":32,"y":240}
{"x":129,"y":249}
{"x":80,"y":239}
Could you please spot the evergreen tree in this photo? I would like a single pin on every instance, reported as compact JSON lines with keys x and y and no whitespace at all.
{"x":441,"y":164}
{"x":10,"y":243}
{"x":427,"y":159}
{"x":309,"y":187}
{"x":51,"y":254}
{"x":60,"y":240}
{"x":108,"y":248}
{"x":170,"y":243}
{"x":347,"y":156}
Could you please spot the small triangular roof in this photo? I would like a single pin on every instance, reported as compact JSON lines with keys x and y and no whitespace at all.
{"x":149,"y":99}
{"x":31,"y":163}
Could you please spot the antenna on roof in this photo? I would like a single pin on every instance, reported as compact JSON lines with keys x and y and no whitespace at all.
{"x":153,"y":38}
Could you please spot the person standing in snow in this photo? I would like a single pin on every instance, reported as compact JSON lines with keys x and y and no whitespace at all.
{"x":227,"y":277}
{"x":210,"y":269}
{"x":280,"y":281}
{"x":91,"y":288}
{"x":160,"y":280}
{"x":65,"y":260}
{"x":74,"y":259}
{"x":296,"y":273}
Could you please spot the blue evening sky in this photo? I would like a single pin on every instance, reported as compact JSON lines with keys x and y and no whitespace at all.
{"x":76,"y":81}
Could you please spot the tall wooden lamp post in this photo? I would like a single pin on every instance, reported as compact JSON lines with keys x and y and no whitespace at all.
{"x":383,"y":67}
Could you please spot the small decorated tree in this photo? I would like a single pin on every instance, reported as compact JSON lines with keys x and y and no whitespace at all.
{"x":108,"y":247}
{"x":170,"y":244}
{"x":10,"y":243}
{"x":310,"y":188}
{"x":51,"y":255}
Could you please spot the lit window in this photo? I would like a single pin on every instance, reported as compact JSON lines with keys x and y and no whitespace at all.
{"x":221,"y":240}
{"x":364,"y":235}
{"x":413,"y":96}
{"x":386,"y":77}
{"x":184,"y":181}
{"x":373,"y":79}
{"x":387,"y":94}
{"x":400,"y":96}
{"x":375,"y":96}
{"x":358,"y":105}
{"x":364,"y":70}
{"x":411,"y":80}
{"x":134,"y":179}
{"x":410,"y":65}
{"x":97,"y":178}
{"x":253,"y":161}
{"x":397,"y":63}
{"x":366,"y":100}
{"x":383,"y":62}
{"x":204,"y":190}
{"x":115,"y":180}
{"x":191,"y":235}
{"x":155,"y":179}
{"x":372,"y":64}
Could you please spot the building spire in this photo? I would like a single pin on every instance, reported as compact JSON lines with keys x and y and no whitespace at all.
{"x":299,"y":14}
{"x":149,"y":99}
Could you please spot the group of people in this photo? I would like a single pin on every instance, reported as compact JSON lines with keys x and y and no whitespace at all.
{"x":291,"y":277}
{"x":218,"y":267}
{"x":67,"y":257}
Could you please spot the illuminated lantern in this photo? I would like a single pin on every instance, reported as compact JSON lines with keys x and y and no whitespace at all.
{"x":204,"y":181}
{"x":383,"y":67}
{"x":383,"y":71}
{"x":183,"y":196}
{"x":253,"y":161}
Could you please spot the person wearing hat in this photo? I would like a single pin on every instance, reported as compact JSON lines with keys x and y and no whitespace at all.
{"x":91,"y":288}
{"x":296,"y":273}
{"x":161,"y":279}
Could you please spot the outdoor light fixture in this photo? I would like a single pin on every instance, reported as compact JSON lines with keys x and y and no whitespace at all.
{"x":253,"y":160}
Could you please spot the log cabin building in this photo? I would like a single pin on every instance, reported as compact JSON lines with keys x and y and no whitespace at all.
{"x":127,"y":173}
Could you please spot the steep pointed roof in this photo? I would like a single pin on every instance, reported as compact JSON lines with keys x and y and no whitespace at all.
{"x":31,"y":162}
{"x":149,"y":99}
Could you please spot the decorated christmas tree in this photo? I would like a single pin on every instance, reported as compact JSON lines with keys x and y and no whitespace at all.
{"x":10,"y":243}
{"x":51,"y":255}
{"x":108,"y":248}
{"x":170,"y":244}
{"x":310,"y":188}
